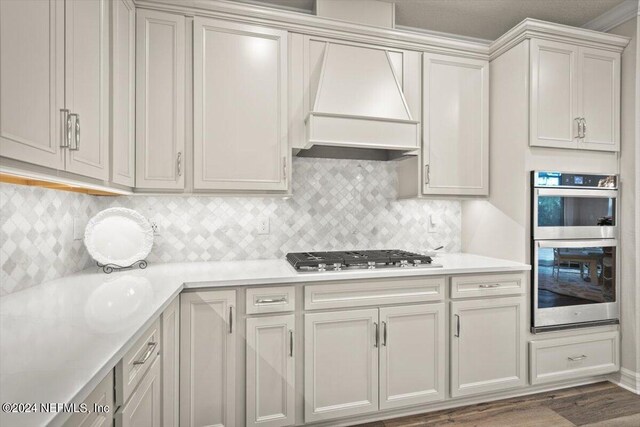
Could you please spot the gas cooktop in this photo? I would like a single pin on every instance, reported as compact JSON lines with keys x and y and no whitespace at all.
{"x":349,"y":260}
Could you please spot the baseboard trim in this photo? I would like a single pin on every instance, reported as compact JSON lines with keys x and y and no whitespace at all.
{"x":627,"y":379}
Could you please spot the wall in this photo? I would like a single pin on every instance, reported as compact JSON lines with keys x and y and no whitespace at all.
{"x":629,"y":200}
{"x":336,"y":204}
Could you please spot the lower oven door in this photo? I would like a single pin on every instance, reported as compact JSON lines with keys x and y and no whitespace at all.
{"x":574,"y":281}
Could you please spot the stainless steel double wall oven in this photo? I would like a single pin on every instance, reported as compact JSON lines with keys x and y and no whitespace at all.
{"x":575,"y":255}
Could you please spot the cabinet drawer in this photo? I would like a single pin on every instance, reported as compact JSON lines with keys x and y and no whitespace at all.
{"x":574,"y":357}
{"x":373,"y":292}
{"x":133,"y":365}
{"x":275,"y":299}
{"x":487,"y":285}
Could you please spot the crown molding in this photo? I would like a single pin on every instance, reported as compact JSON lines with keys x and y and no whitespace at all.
{"x":468,"y":39}
{"x":534,"y":28}
{"x":305,"y":23}
{"x":615,"y":16}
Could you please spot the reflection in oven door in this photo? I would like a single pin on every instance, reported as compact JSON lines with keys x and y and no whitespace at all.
{"x":574,"y":281}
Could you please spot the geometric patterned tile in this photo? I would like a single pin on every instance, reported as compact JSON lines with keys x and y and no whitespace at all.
{"x":336,"y":204}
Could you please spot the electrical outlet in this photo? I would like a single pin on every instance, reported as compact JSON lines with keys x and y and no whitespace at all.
{"x":432,"y":225}
{"x":263,"y":225}
{"x":78,"y":228}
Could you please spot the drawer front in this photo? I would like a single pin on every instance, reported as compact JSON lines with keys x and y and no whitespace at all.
{"x":373,"y":292}
{"x":574,"y":357}
{"x":136,"y":362}
{"x":487,"y":285}
{"x":274,"y":299}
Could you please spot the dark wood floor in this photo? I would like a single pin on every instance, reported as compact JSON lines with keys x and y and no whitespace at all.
{"x":595,"y":405}
{"x":548,"y":299}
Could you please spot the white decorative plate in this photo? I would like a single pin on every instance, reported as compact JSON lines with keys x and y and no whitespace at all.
{"x":118,"y":236}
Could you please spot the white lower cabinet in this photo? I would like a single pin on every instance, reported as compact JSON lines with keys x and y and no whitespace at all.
{"x":341,"y":364}
{"x":170,"y":353}
{"x":102,"y":395}
{"x":208,"y":358}
{"x":360,"y":361}
{"x":144,"y":405}
{"x":270,"y":393}
{"x":487,"y":345}
{"x":412,"y":355}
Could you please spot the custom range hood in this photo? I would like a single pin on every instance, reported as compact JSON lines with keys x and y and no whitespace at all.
{"x":355,"y":102}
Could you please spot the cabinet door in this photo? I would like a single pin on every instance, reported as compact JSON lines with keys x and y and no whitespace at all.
{"x":270,"y":371}
{"x":143,"y":407}
{"x":207,"y":359}
{"x":340,"y":364}
{"x":599,"y":99}
{"x":412,"y":355}
{"x":554,"y":94}
{"x":102,"y":395}
{"x":123,"y":39}
{"x":240,"y":106}
{"x":32,"y":81}
{"x":160,"y":93}
{"x":170,"y":358}
{"x":87,"y":86}
{"x":487,"y":345}
{"x":456,"y":125}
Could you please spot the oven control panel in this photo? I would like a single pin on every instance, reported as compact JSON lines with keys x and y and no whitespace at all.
{"x":548,"y":179}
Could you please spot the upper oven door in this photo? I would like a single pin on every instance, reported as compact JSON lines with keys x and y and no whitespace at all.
{"x":574,"y":214}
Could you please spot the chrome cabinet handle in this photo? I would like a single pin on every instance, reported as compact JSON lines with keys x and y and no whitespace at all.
{"x":384,"y":334}
{"x":230,"y":319}
{"x":377,"y":335}
{"x":76,"y":137}
{"x":576,"y":358}
{"x":65,"y":129}
{"x":150,"y":348}
{"x":584,"y":128}
{"x":290,"y":343}
{"x":427,"y":171}
{"x":579,"y":121}
{"x":284,"y":168}
{"x":270,"y":300}
{"x":457,"y":335}
{"x":179,"y":163}
{"x":493,"y":285}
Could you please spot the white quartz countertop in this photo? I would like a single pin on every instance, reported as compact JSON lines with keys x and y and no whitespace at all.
{"x":59,"y":339}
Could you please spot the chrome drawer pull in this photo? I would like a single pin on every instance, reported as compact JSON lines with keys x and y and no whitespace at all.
{"x":270,"y":300}
{"x":151,"y":347}
{"x":576,"y":358}
{"x":493,"y":285}
{"x":377,"y":335}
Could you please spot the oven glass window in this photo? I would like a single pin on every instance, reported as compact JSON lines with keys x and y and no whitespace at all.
{"x":575,"y":211}
{"x":576,"y":276}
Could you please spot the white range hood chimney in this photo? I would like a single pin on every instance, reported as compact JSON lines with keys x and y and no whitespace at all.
{"x":359,"y":102}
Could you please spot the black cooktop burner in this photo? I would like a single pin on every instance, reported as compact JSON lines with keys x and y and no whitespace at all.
{"x":338,"y":260}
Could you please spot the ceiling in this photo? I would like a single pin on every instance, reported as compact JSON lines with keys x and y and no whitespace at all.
{"x":485,"y":19}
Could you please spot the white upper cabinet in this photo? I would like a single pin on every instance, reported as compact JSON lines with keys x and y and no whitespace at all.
{"x":54,"y":110}
{"x":240,"y":107}
{"x":599,"y":99}
{"x":575,"y":96}
{"x":123,"y":39}
{"x":32,"y":81}
{"x":87,"y":86}
{"x":455,"y":125}
{"x":160,"y":100}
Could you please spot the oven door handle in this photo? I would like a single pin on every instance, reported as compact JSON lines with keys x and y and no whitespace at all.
{"x":577,"y":192}
{"x":571,"y":243}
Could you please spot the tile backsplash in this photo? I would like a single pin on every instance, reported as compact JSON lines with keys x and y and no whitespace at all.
{"x":336,"y":204}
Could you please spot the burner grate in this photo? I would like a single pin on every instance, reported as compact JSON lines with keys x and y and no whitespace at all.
{"x":355,"y":259}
